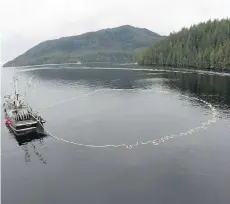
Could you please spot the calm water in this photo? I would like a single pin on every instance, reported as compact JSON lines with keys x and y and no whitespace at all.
{"x":130,"y":111}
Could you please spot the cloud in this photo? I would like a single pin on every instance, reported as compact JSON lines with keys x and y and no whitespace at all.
{"x":25,"y":23}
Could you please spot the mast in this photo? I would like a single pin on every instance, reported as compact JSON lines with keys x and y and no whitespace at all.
{"x":16,"y":87}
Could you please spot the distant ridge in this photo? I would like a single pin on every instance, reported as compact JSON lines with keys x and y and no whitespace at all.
{"x":118,"y":44}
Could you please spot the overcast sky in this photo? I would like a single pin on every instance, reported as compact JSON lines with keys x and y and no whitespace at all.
{"x":25,"y":23}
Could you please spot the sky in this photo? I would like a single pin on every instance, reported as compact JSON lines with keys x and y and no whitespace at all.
{"x":25,"y":23}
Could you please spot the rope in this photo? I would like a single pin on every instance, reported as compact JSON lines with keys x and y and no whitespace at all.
{"x":203,"y":125}
{"x":154,"y":142}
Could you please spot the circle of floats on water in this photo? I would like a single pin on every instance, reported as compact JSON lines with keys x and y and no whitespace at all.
{"x":130,"y":146}
{"x":158,"y":141}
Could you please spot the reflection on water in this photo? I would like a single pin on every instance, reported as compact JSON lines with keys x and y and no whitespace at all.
{"x":146,"y":105}
{"x":28,"y":143}
{"x":24,"y":140}
{"x":201,"y":84}
{"x":90,"y":77}
{"x":212,"y":87}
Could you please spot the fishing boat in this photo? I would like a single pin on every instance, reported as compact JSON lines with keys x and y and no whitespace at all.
{"x":19,"y":116}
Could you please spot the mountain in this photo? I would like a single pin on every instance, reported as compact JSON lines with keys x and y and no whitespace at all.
{"x":206,"y":45}
{"x":108,"y":45}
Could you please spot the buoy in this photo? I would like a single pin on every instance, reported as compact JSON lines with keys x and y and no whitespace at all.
{"x":8,"y":122}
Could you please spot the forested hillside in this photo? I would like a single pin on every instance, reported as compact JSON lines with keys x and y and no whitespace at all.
{"x":108,"y":45}
{"x":206,"y":45}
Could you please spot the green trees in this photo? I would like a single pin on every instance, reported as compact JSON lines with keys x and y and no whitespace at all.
{"x":206,"y":45}
{"x":108,"y":45}
{"x":212,"y":59}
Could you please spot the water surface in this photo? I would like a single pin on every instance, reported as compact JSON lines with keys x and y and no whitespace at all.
{"x":123,"y":109}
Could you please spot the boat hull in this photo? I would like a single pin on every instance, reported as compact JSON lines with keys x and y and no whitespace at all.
{"x":23,"y":131}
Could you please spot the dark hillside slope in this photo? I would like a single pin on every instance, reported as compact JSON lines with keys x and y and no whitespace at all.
{"x":206,"y":45}
{"x":107,"y":45}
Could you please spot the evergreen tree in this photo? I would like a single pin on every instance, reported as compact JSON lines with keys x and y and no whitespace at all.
{"x":212,"y":60}
{"x":161,"y":59}
{"x":206,"y":45}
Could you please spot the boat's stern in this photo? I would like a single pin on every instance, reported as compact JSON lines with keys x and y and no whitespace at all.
{"x":22,"y":127}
